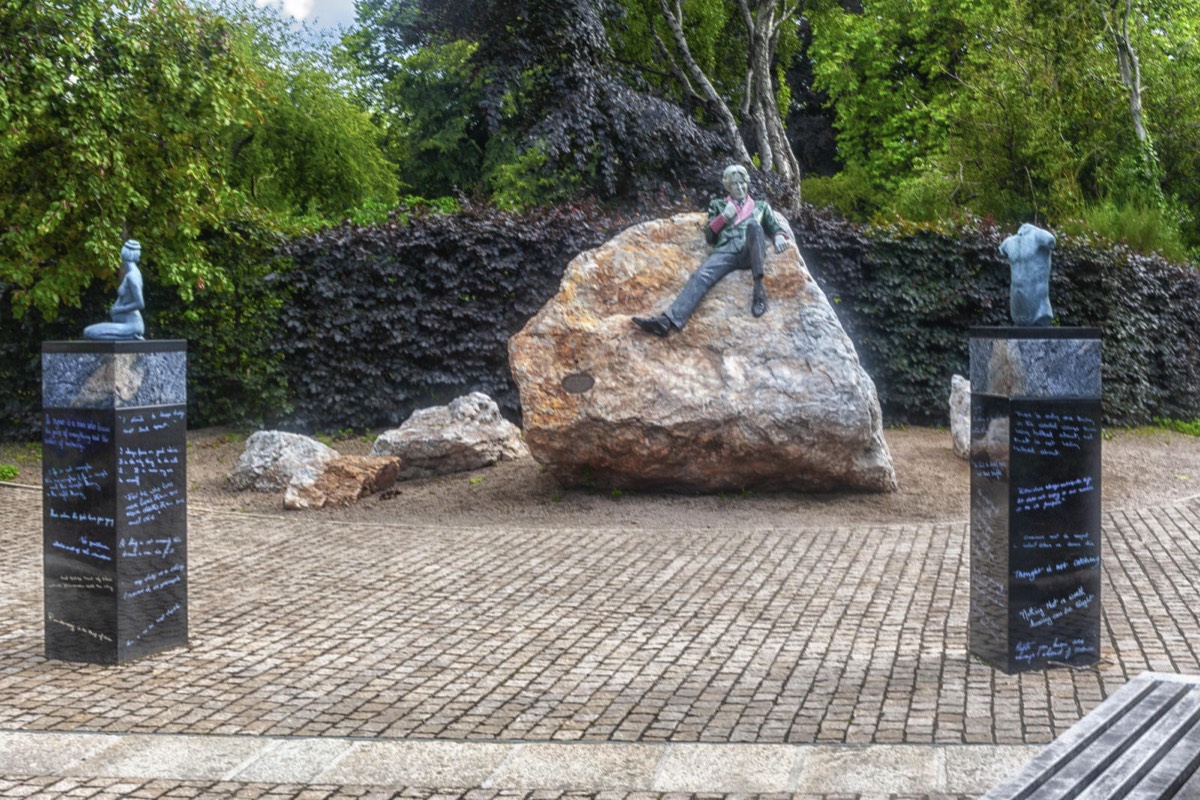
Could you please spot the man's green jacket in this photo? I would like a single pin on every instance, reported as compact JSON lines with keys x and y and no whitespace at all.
{"x":731,"y":237}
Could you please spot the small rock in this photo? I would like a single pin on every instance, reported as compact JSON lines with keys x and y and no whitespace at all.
{"x":273,"y":459}
{"x":960,"y":416}
{"x":467,"y":434}
{"x":345,"y":480}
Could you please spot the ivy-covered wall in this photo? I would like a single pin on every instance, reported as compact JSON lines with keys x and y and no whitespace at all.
{"x":908,"y":294}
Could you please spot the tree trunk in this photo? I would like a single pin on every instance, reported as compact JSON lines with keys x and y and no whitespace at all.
{"x":763,"y":24}
{"x":758,"y":107}
{"x":1129,"y":70}
{"x":674,"y":19}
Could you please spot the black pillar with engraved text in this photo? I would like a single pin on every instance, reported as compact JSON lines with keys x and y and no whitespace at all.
{"x":1035,"y":497}
{"x":114,"y":498}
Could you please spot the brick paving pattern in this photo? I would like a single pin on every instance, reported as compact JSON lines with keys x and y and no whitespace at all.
{"x":36,"y":788}
{"x":306,"y":627}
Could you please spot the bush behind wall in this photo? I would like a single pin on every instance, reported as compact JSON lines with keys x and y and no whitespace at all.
{"x":907,"y":295}
{"x":385,"y":319}
{"x":360,"y":325}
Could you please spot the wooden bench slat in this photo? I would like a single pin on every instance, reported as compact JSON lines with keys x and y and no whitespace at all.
{"x":1075,"y":774}
{"x":1025,"y":782}
{"x":1142,"y":766}
{"x":1177,"y":775}
{"x":1191,"y":789}
{"x":1142,"y":743}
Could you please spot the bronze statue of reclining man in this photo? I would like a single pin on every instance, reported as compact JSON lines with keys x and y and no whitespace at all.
{"x":736,"y":228}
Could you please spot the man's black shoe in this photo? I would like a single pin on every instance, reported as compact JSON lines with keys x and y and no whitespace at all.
{"x":659,"y":326}
{"x":759,"y":305}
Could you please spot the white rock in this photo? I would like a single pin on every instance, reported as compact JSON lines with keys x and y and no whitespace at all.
{"x":467,"y":434}
{"x":960,"y":416}
{"x":273,"y":459}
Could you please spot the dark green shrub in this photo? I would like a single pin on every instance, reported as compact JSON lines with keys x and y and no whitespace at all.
{"x":385,"y":319}
{"x":234,"y":374}
{"x":907,"y":295}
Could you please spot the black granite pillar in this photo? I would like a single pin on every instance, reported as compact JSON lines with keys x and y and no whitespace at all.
{"x":114,"y":498}
{"x":1035,"y":497}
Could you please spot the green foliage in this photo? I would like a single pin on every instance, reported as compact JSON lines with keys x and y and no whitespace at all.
{"x":428,"y":107}
{"x":907,"y":293}
{"x":1144,"y":229}
{"x":8,"y":472}
{"x":160,"y":120}
{"x":1190,"y":427}
{"x":1010,"y":109}
{"x":885,"y":73}
{"x":314,"y":153}
{"x":851,"y":192}
{"x":375,"y":324}
{"x":521,"y":100}
{"x":234,"y":376}
{"x":522,"y":180}
{"x":375,"y":213}
{"x":114,"y":115}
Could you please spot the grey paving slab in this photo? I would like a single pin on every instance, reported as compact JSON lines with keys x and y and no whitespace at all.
{"x":978,"y":769}
{"x":178,"y":757}
{"x":450,"y":764}
{"x":581,"y":767}
{"x":293,"y":761}
{"x":895,"y":769}
{"x":48,"y":754}
{"x":722,"y":768}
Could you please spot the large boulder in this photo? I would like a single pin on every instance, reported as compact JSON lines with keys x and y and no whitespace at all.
{"x":467,"y":434}
{"x":731,"y":402}
{"x":273,"y":459}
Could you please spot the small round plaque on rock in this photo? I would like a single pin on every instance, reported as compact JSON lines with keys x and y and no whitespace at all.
{"x":578,"y":383}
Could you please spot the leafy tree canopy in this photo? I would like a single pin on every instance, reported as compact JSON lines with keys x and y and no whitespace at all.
{"x":1013,"y":108}
{"x":114,"y":115}
{"x":532,"y":96}
{"x":158,"y":120}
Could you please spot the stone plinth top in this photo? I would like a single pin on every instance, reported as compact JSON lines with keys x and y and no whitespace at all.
{"x":1036,"y":362}
{"x":1027,"y":332}
{"x":122,"y":346}
{"x":114,"y":374}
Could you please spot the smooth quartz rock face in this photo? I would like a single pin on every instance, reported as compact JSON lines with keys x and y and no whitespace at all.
{"x":730,"y":402}
{"x":467,"y":434}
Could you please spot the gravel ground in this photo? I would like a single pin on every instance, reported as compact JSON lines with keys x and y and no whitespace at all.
{"x":1141,"y":468}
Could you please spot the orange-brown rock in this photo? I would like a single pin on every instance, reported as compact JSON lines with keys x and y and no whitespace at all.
{"x":344,"y":480}
{"x":730,"y":402}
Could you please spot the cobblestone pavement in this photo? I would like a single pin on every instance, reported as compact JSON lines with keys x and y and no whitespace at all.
{"x":300,"y":627}
{"x":304,"y":627}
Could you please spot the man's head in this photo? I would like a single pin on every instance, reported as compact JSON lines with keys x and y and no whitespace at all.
{"x":737,"y":181}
